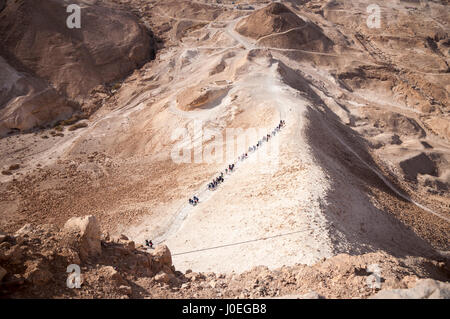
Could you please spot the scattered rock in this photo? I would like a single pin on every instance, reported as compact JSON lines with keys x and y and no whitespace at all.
{"x":128,"y":244}
{"x":185,"y":286}
{"x":13,"y":255}
{"x":24,"y":231}
{"x":70,"y":256}
{"x":163,"y":277}
{"x":424,"y":289}
{"x":193,"y":276}
{"x":112,"y":275}
{"x":105,"y":237}
{"x":126,"y":290}
{"x":37,"y":273}
{"x":14,"y":167}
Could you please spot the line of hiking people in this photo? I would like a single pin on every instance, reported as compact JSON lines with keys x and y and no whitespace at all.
{"x":193,"y":201}
{"x":220,"y":179}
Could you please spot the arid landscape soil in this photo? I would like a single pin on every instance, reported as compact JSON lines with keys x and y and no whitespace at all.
{"x":92,"y":119}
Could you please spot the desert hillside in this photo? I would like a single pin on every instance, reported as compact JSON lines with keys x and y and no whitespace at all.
{"x":60,"y":65}
{"x":346,"y":129}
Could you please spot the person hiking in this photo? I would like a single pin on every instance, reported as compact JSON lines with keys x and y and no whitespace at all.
{"x":149,"y":243}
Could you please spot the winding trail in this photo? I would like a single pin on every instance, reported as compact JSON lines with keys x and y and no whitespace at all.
{"x":182,"y":233}
{"x":204,"y":194}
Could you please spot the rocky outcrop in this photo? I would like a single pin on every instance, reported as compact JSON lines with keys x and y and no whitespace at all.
{"x":112,"y":275}
{"x":162,"y":255}
{"x":34,"y":261}
{"x":424,"y":289}
{"x":83,"y":234}
{"x":27,"y":101}
{"x":47,"y":62}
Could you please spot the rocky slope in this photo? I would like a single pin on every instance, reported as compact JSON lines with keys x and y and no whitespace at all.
{"x":34,"y":260}
{"x":57,"y":63}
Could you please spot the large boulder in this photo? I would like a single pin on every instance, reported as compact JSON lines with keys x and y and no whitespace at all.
{"x":109,"y":44}
{"x":83,"y":234}
{"x":424,"y":289}
{"x":162,"y":256}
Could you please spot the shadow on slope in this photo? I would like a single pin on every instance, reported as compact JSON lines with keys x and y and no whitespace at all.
{"x":357,"y":226}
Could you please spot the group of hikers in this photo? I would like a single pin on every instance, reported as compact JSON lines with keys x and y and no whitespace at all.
{"x":193,"y":201}
{"x":219,"y":179}
{"x":213,"y":185}
{"x":148,"y":243}
{"x":265,"y":138}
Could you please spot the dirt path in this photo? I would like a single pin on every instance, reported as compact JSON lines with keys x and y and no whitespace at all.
{"x":195,"y":237}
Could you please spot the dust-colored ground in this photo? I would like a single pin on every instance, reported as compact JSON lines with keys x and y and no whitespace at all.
{"x":362,"y":164}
